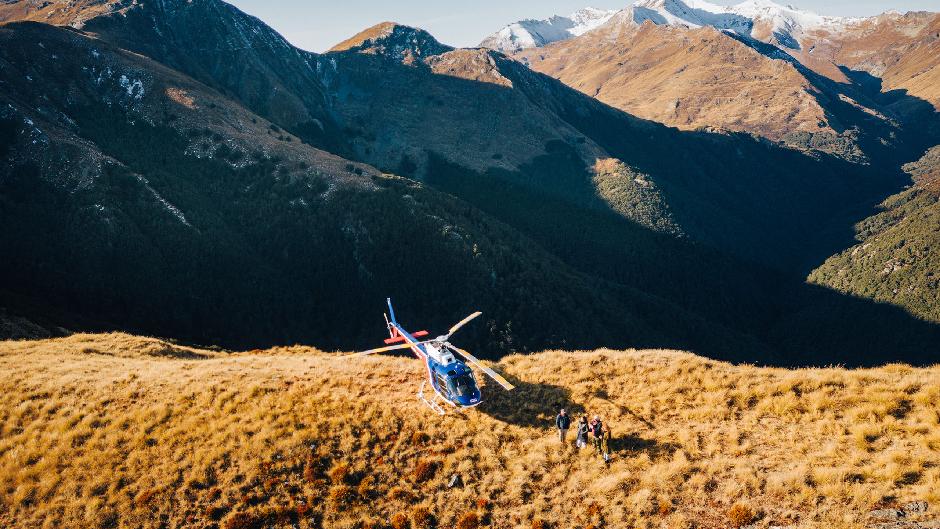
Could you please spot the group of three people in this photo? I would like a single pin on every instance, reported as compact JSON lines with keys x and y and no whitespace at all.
{"x":595,"y":430}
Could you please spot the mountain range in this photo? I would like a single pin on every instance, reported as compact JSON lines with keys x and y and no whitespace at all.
{"x":178,"y":168}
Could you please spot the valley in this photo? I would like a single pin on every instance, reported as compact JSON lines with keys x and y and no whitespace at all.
{"x":620,"y":230}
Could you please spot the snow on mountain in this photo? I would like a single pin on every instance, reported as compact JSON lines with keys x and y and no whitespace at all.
{"x":691,"y":13}
{"x":533,"y":33}
{"x":761,"y":19}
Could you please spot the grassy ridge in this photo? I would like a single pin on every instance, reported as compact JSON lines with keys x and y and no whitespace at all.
{"x":119,"y":431}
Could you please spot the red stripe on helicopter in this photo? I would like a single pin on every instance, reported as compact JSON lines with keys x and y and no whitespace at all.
{"x":416,"y":347}
{"x":400,"y":338}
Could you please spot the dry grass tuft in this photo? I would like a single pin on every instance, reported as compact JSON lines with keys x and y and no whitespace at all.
{"x":400,"y":520}
{"x":240,"y":520}
{"x":424,"y":470}
{"x":339,"y":474}
{"x":740,"y":515}
{"x":341,"y":496}
{"x":401,"y":494}
{"x":469,"y":520}
{"x":422,"y":518}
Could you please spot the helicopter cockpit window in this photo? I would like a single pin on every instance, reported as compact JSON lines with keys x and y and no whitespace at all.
{"x":462,"y":385}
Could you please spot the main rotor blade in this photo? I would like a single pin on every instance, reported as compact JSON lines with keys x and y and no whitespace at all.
{"x":461,"y":323}
{"x":378,"y":350}
{"x":493,"y":374}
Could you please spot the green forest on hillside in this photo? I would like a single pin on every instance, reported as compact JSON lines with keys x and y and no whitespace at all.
{"x":896,"y":259}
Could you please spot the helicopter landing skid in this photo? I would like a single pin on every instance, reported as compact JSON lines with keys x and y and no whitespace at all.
{"x":433,"y":402}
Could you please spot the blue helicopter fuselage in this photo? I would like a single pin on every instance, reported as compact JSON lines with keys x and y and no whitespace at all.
{"x":449,"y":377}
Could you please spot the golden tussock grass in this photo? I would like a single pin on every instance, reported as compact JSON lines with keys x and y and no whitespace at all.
{"x":119,"y":431}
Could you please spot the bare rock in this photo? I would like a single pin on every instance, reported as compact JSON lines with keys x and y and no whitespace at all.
{"x":886,"y":515}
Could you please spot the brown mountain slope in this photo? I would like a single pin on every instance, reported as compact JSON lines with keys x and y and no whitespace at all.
{"x":698,"y":78}
{"x":850,"y":92}
{"x":126,"y":432}
{"x":900,"y":51}
{"x":70,"y":13}
{"x":403,"y":100}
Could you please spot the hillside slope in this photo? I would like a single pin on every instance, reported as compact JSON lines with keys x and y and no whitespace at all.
{"x":849,"y":87}
{"x":178,"y":194}
{"x":897,"y":258}
{"x":395,"y":98}
{"x":119,"y":431}
{"x":138,"y":197}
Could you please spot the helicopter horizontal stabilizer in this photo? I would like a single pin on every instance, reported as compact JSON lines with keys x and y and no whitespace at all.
{"x":400,"y":338}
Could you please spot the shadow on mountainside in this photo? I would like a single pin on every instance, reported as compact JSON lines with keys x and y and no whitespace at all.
{"x":788,"y":321}
{"x":738,"y":193}
{"x":905,"y":130}
{"x":742,"y":199}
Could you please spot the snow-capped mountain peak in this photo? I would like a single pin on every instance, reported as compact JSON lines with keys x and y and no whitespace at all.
{"x":689,"y":13}
{"x":783,"y":25}
{"x":533,"y":33}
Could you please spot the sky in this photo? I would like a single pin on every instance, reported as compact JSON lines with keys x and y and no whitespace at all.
{"x":316,"y":25}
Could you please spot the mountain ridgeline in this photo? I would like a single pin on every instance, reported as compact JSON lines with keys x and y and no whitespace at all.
{"x":178,"y":168}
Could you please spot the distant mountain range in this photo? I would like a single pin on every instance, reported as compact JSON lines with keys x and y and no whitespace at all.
{"x":765,"y":20}
{"x":179,"y":168}
{"x":533,"y":33}
{"x":843,"y":86}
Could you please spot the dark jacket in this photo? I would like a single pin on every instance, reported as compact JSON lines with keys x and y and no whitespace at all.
{"x":562,"y":422}
{"x":597,"y":429}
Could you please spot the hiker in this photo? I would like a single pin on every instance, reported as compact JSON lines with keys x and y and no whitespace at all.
{"x":562,"y":422}
{"x":581,"y":440}
{"x":605,"y":443}
{"x":597,"y":431}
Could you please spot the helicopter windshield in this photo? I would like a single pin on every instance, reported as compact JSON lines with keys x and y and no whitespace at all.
{"x":462,"y":385}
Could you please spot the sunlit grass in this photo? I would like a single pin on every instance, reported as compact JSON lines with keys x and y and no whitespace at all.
{"x":119,"y":431}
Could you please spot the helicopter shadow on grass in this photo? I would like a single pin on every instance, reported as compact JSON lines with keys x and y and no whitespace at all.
{"x":631,"y":445}
{"x":530,"y":404}
{"x":535,"y":405}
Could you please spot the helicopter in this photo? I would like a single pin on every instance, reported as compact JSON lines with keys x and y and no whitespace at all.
{"x":452,"y":381}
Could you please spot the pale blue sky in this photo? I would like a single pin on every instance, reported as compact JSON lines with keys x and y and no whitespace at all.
{"x":316,"y":25}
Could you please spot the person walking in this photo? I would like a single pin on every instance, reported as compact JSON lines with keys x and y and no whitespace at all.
{"x":597,"y":431}
{"x":582,"y":433}
{"x":605,"y":443}
{"x":562,"y":423}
